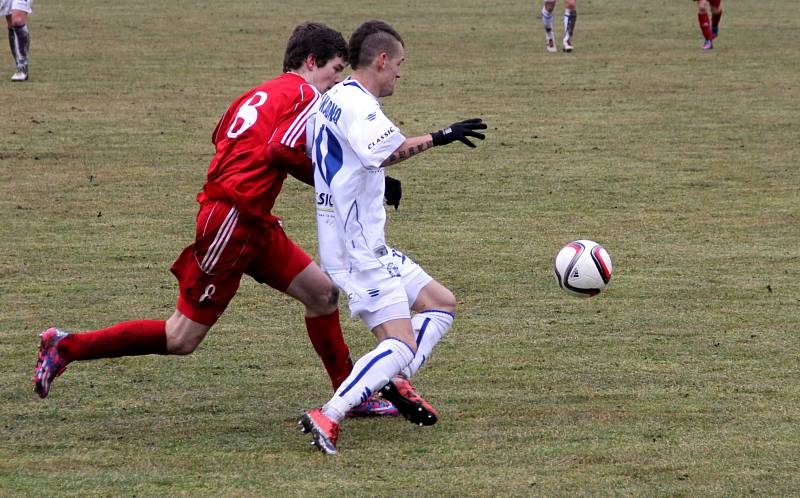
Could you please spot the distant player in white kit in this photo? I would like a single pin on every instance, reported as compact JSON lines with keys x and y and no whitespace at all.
{"x":351,"y":142}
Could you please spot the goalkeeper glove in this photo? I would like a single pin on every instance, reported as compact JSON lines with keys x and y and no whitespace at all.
{"x":460,"y":131}
{"x":393,"y":192}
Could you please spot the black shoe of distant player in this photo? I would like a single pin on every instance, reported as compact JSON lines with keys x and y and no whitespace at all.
{"x":410,"y":404}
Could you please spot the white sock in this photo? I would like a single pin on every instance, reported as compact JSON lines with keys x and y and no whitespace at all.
{"x":429,"y":328}
{"x":547,"y":22}
{"x":371,"y":372}
{"x":570,"y":16}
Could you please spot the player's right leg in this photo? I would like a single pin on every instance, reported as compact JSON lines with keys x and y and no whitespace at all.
{"x":705,"y":24}
{"x":547,"y":22}
{"x":378,"y":297}
{"x":57,"y":348}
{"x":371,"y":372}
{"x":208,"y":275}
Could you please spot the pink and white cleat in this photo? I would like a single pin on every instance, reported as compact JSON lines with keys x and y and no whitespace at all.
{"x":50,"y":364}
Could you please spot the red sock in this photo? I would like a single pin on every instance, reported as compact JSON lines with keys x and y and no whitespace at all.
{"x":136,"y":337}
{"x":325,"y":333}
{"x":705,"y":26}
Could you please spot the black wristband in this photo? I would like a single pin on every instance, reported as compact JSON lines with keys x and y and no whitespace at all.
{"x":438,"y":138}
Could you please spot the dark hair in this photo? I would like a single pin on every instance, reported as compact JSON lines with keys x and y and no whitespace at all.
{"x":314,"y":38}
{"x":370,"y":39}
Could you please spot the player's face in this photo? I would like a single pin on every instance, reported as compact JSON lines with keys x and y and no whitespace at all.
{"x":391,"y":71}
{"x":328,"y":75}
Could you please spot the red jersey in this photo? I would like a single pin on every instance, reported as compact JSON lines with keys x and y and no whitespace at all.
{"x":260,"y":135}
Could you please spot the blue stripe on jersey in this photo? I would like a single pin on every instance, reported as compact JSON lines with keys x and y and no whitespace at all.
{"x":333,"y":159}
{"x":355,"y":84}
{"x":365,"y":369}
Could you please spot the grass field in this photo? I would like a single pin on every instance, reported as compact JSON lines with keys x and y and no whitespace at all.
{"x":680,"y":380}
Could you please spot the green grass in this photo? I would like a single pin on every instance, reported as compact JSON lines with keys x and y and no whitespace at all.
{"x":679,"y":380}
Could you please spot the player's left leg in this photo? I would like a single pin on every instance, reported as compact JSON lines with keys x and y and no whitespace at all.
{"x":716,"y":16}
{"x":435,"y":308}
{"x":320,"y":297}
{"x":19,"y":38}
{"x":570,"y":17}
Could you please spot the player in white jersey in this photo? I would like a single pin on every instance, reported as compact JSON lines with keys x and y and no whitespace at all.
{"x":16,"y":14}
{"x":351,"y":142}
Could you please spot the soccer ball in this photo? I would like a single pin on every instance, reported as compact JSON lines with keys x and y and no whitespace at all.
{"x":583,"y":268}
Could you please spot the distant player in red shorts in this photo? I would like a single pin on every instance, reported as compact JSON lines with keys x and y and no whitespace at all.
{"x":259,"y":141}
{"x":710,"y":29}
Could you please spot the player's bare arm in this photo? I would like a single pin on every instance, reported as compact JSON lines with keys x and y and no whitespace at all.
{"x":460,"y":131}
{"x":411,"y":147}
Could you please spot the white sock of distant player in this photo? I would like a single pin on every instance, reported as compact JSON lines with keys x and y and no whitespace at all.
{"x":547,"y":22}
{"x":20,"y":44}
{"x":371,"y":372}
{"x":429,"y":328}
{"x":570,"y":16}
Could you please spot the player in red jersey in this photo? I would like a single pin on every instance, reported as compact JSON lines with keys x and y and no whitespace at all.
{"x":710,"y":29}
{"x":259,"y":141}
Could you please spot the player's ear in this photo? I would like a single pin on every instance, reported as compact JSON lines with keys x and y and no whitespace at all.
{"x":382,"y":60}
{"x":310,"y":62}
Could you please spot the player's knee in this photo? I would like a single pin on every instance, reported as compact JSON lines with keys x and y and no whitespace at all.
{"x":18,"y":19}
{"x":183,"y":338}
{"x":333,"y":297}
{"x":182,"y":348}
{"x":324,"y":301}
{"x":446,"y":301}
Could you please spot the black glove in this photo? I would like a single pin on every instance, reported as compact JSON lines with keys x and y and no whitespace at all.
{"x":393,"y":192}
{"x":460,"y":131}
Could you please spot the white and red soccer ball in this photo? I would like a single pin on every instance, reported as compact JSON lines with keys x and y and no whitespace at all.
{"x":583,"y":268}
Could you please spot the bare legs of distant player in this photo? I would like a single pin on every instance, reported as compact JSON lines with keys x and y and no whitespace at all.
{"x":570,"y":17}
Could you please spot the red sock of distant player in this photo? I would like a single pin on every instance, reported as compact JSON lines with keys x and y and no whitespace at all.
{"x":705,"y":25}
{"x":325,"y":333}
{"x":136,"y":337}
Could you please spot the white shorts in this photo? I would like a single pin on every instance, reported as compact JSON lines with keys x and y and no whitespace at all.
{"x":386,"y":293}
{"x":6,"y":6}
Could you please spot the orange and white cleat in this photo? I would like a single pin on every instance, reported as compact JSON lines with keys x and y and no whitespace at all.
{"x":324,"y":430}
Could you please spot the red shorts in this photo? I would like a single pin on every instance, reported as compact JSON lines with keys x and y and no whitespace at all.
{"x":225,"y":248}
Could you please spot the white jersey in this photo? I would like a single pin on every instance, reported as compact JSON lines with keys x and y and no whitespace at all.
{"x":349,"y":138}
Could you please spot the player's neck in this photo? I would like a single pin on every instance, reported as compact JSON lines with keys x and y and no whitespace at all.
{"x":299,"y":72}
{"x":368,"y":81}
